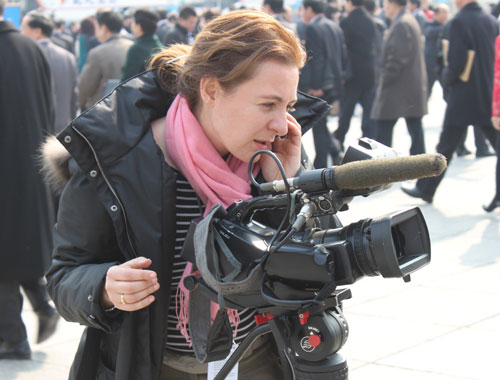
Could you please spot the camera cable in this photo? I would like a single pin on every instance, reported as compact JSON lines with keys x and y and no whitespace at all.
{"x":291,"y":201}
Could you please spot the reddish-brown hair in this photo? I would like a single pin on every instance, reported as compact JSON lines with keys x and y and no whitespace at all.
{"x":228,"y":48}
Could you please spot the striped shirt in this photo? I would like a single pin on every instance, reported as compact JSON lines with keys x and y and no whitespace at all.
{"x":188,"y":207}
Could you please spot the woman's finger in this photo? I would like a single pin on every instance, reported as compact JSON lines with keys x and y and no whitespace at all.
{"x":134,"y":306}
{"x":137,"y":263}
{"x":121,"y":273}
{"x":129,"y":287}
{"x":132,"y":298}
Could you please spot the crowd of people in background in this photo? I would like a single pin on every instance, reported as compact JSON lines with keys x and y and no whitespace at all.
{"x":389,"y":81}
{"x":386,"y":57}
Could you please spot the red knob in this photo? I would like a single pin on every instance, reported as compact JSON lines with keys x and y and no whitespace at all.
{"x":314,"y":340}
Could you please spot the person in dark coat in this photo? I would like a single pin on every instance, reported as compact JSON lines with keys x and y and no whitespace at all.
{"x":62,"y":67}
{"x":380,"y":28}
{"x":472,"y":38}
{"x":182,"y":31}
{"x":402,"y":87}
{"x":146,"y":44}
{"x":26,"y":115}
{"x":482,"y":148}
{"x":360,"y":39}
{"x":324,"y":72}
{"x":433,"y":33}
{"x":132,"y":191}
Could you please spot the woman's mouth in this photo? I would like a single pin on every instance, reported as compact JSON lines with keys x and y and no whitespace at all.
{"x":262,"y":145}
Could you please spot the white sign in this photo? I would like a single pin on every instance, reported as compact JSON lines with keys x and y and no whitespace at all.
{"x":74,"y":4}
{"x":215,"y":367}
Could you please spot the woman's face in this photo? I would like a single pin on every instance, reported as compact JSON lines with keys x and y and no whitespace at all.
{"x":250,"y":116}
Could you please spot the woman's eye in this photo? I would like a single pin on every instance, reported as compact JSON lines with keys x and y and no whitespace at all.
{"x":268,"y":105}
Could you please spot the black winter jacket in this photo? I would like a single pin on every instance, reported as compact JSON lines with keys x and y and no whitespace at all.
{"x":118,"y":205}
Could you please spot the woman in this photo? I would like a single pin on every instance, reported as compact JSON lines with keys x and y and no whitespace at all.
{"x":495,"y":120}
{"x":138,"y":178}
{"x":86,"y":40}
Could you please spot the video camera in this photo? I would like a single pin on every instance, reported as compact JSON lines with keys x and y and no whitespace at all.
{"x":290,"y":273}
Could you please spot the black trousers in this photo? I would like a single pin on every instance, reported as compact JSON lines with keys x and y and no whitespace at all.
{"x":414,"y":124}
{"x":323,"y":144}
{"x":479,"y":140}
{"x":353,"y":96}
{"x":449,"y":140}
{"x":36,"y":291}
{"x":12,"y":328}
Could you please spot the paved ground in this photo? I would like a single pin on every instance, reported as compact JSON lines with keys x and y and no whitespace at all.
{"x":444,"y":325}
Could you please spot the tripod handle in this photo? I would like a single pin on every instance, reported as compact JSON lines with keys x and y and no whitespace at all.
{"x":242,"y":348}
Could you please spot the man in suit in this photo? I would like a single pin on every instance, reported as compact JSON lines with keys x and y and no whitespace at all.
{"x":471,"y":39}
{"x":63,"y":69}
{"x":26,"y":220}
{"x":360,"y":39}
{"x":182,"y":31}
{"x":323,"y":74}
{"x":61,"y":38}
{"x":402,"y":87}
{"x":104,"y":62}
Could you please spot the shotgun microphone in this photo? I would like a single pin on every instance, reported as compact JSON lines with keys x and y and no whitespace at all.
{"x":364,"y":174}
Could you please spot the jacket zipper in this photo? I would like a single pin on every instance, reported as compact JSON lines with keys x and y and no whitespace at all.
{"x":110,"y":188}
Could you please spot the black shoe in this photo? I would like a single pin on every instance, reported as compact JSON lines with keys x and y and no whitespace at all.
{"x":493,"y":205}
{"x":463,"y":151}
{"x":17,"y":351}
{"x":47,"y":322}
{"x":415,"y":192}
{"x":486,"y":153}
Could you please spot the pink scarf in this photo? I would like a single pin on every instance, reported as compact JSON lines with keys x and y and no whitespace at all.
{"x":214,"y":179}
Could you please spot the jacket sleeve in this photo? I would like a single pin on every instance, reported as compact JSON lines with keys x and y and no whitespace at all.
{"x":398,"y":52}
{"x":85,"y":247}
{"x":89,"y":79}
{"x":496,"y":81}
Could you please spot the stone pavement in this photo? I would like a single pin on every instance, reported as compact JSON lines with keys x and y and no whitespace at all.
{"x":444,"y":325}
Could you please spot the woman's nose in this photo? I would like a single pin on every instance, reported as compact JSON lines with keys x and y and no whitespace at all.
{"x":279,"y":124}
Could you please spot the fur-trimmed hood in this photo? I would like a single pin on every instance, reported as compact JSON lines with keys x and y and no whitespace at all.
{"x":54,"y":160}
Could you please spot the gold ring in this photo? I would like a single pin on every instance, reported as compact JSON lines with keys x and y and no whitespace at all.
{"x":122,"y":299}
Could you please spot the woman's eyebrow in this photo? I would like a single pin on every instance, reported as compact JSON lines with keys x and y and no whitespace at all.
{"x":278,"y":98}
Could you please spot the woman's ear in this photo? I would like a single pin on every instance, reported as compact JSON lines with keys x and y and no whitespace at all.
{"x":209,"y":89}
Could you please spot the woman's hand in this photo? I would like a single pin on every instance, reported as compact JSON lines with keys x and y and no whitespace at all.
{"x":495,"y":120}
{"x":288,"y":150}
{"x":129,"y":287}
